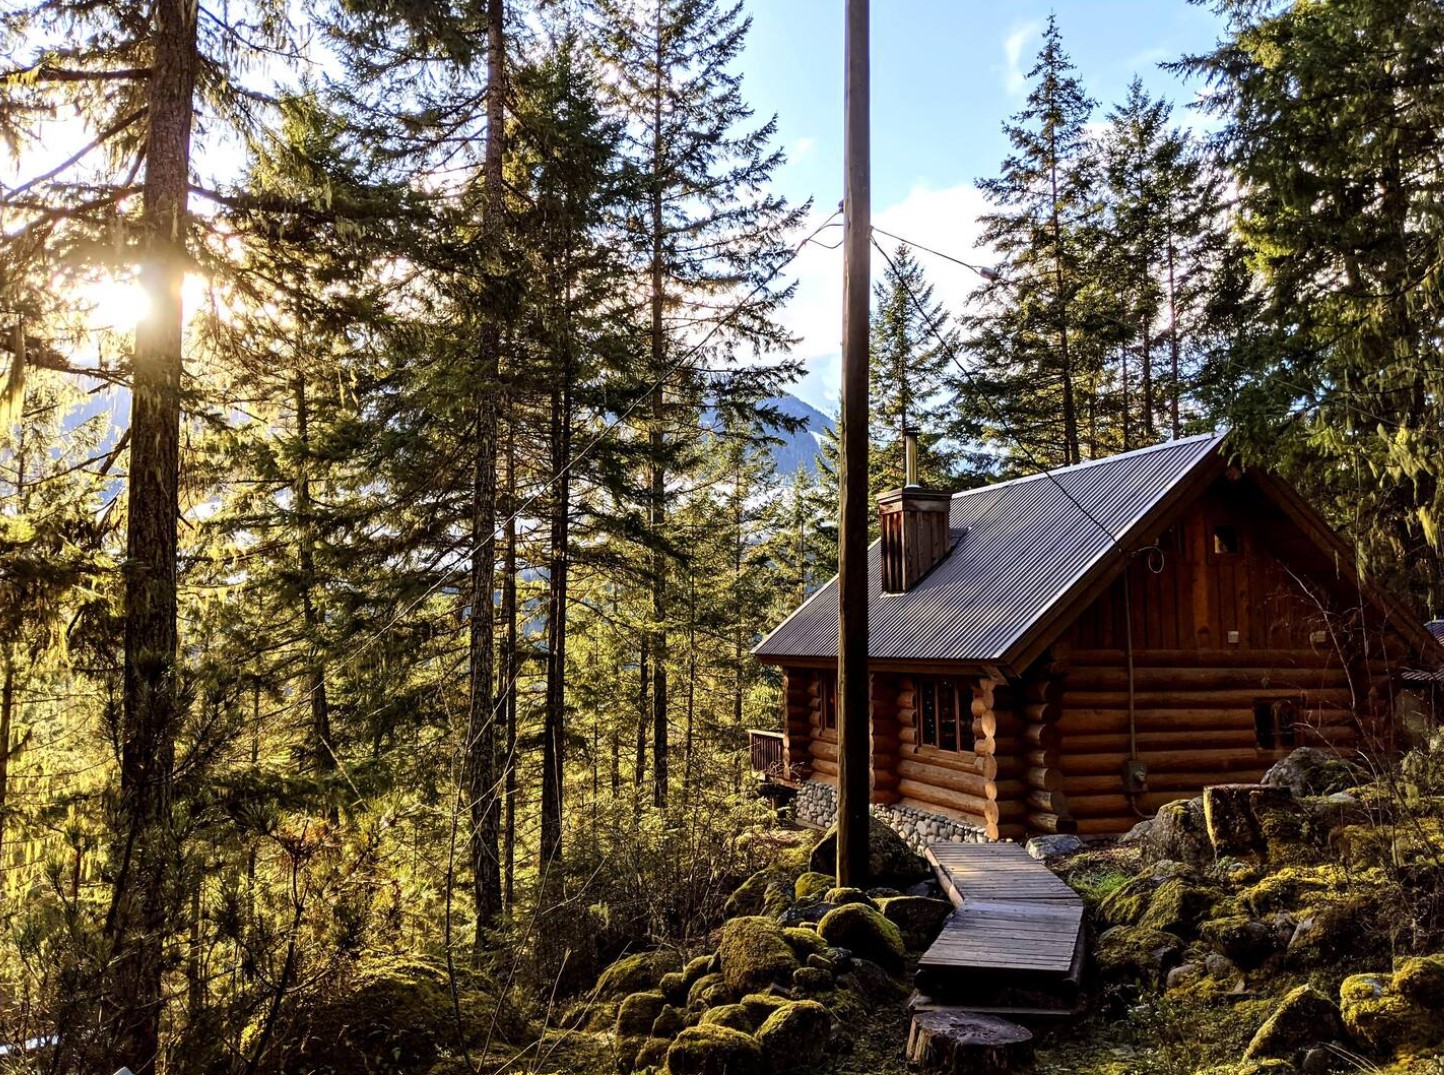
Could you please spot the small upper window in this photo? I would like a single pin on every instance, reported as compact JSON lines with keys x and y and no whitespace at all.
{"x":1225,"y":540}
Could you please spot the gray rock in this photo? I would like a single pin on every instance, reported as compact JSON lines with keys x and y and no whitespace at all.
{"x":889,"y":859}
{"x":804,"y":914}
{"x":1312,"y":771}
{"x":1182,"y":974}
{"x":1178,"y":833}
{"x":1042,"y":847}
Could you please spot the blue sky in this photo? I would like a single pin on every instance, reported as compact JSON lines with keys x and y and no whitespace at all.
{"x":945,"y":75}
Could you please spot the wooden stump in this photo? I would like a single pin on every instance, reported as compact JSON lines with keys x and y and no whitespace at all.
{"x":953,"y":1042}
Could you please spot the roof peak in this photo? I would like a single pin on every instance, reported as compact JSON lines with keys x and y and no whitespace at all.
{"x":1073,"y":468}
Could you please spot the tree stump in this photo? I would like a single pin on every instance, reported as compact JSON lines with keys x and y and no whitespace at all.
{"x":952,"y":1042}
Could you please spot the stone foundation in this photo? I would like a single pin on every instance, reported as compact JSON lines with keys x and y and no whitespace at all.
{"x":816,"y":805}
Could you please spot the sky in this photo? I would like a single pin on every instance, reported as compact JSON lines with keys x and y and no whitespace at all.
{"x":946,"y":74}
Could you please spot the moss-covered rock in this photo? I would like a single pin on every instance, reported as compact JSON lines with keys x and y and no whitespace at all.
{"x":754,"y":953}
{"x":1137,"y":953}
{"x":636,"y":973}
{"x":1421,"y":980}
{"x":865,"y":933}
{"x":841,"y":896}
{"x":1312,"y":771}
{"x":766,"y":892}
{"x":1242,"y":938}
{"x":1384,"y":1020}
{"x":708,"y":990}
{"x":652,"y":1054}
{"x":1293,"y":887}
{"x":708,"y":1049}
{"x":669,"y":1022}
{"x":1177,"y":833}
{"x":734,"y":1016}
{"x":626,"y":1051}
{"x":917,"y":918}
{"x":812,"y":980}
{"x":795,"y":1035}
{"x":1128,"y":902}
{"x":1303,"y":1018}
{"x":890,"y":860}
{"x":673,"y":986}
{"x":811,"y":886}
{"x":697,"y":967}
{"x":637,"y":1013}
{"x":804,"y":942}
{"x":1335,"y":934}
{"x":760,"y":1005}
{"x":1178,"y":905}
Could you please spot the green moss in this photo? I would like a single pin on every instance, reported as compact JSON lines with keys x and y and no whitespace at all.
{"x":795,"y":1035}
{"x":652,"y":1054}
{"x":1382,"y":1016}
{"x":627,"y":1051}
{"x":1304,"y":1017}
{"x":730,"y":1015}
{"x":1177,"y":906}
{"x":707,"y":990}
{"x":673,"y":986}
{"x":812,"y":980}
{"x":1137,"y":953}
{"x":838,"y":897}
{"x":1421,"y":980}
{"x":761,"y":1005}
{"x":1128,"y":902}
{"x":714,"y":1050}
{"x":768,"y":891}
{"x":811,"y":887}
{"x":865,"y":933}
{"x":669,"y":1023}
{"x":1244,"y":939}
{"x":1292,"y":887}
{"x":918,"y":919}
{"x":637,"y":1014}
{"x":697,"y":967}
{"x":754,"y":953}
{"x":636,"y":973}
{"x":804,"y":942}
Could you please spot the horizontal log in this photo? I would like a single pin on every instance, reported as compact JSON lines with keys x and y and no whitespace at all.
{"x":1081,"y":806}
{"x":1045,"y":777}
{"x":1049,"y":802}
{"x":1224,"y":678}
{"x":885,"y":744}
{"x":1042,"y":735}
{"x":884,"y":778}
{"x":1104,"y":826}
{"x":1050,"y":824}
{"x":916,"y":790}
{"x":1221,"y":762}
{"x":1185,"y":740}
{"x":1046,"y":759}
{"x":1233,"y":657}
{"x":947,"y":779}
{"x":885,"y":796}
{"x":824,"y":748}
{"x":1176,"y":782}
{"x":1194,"y":699}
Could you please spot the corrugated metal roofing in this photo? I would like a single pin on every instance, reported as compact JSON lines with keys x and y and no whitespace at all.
{"x":1019,"y":547}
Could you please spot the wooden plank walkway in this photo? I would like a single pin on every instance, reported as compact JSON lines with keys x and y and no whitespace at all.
{"x":1014,"y":914}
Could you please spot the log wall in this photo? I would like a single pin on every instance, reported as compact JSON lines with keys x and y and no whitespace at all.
{"x":797,"y":722}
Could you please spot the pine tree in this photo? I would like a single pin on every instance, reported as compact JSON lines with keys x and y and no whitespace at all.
{"x":1025,"y":335}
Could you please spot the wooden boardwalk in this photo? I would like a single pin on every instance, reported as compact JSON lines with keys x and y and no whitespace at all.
{"x":1017,"y":933}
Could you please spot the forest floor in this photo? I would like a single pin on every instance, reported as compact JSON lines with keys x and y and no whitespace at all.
{"x":1313,"y":942}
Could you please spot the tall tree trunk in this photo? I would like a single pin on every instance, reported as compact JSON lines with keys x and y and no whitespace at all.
{"x":1071,"y":453}
{"x":509,"y":660}
{"x":1123,"y":358}
{"x":322,"y":750}
{"x":644,"y":698}
{"x":481,"y":719}
{"x":1175,"y":388}
{"x":144,"y":908}
{"x":7,"y":717}
{"x":554,"y":730}
{"x":657,"y":515}
{"x":1147,"y":375}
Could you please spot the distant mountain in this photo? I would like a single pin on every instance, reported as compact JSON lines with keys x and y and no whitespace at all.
{"x":799,"y":450}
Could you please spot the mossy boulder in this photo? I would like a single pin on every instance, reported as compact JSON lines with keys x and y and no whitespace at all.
{"x":1177,"y":833}
{"x":804,"y":942}
{"x":708,"y":990}
{"x":669,"y":1022}
{"x":1293,"y":887}
{"x":866,"y":933}
{"x":1232,"y":814}
{"x":795,"y":1035}
{"x":1334,"y":934}
{"x":1127,"y":903}
{"x":637,"y":973}
{"x":1312,"y":771}
{"x":729,"y":1015}
{"x":754,"y":953}
{"x":812,"y":980}
{"x":708,"y":1049}
{"x":1243,"y":938}
{"x":1384,"y":1020}
{"x":673,"y":986}
{"x":653,"y":1054}
{"x":766,"y":892}
{"x":1178,"y":905}
{"x":697,"y":967}
{"x":918,"y":919}
{"x":1421,"y":979}
{"x":811,"y":887}
{"x":1138,"y":954}
{"x":839,"y":897}
{"x":889,"y":860}
{"x":637,"y":1013}
{"x":1303,"y":1018}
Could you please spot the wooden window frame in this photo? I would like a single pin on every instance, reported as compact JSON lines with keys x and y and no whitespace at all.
{"x":826,"y":703}
{"x":938,"y":715}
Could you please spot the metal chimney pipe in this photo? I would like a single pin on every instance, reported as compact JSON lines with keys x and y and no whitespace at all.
{"x":910,"y":458}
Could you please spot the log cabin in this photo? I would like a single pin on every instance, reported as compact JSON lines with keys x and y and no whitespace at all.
{"x":1069,"y":651}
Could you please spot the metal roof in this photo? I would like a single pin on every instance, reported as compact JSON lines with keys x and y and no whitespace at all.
{"x":1020,"y":547}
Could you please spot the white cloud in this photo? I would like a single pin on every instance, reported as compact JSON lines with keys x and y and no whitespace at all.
{"x":944,"y":219}
{"x":1015,"y":77}
{"x":803,"y":148}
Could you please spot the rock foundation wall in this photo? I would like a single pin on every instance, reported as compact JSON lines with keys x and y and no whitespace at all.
{"x":816,"y":805}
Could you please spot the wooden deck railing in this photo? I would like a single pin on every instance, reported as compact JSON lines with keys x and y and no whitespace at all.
{"x":768,"y":754}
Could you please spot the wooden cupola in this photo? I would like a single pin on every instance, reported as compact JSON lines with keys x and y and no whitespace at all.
{"x":916,"y":533}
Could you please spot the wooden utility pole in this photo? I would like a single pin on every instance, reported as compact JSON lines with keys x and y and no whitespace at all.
{"x":854,"y":770}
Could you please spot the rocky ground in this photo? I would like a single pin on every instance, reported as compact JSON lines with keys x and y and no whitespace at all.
{"x":1290,"y":929}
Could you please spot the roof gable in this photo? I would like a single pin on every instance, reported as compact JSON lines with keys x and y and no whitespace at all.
{"x":1021,"y":548}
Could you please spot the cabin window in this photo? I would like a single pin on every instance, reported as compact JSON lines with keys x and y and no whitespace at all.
{"x":1273,"y":723}
{"x":1225,"y":541}
{"x":938,"y":713}
{"x":827,"y":702}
